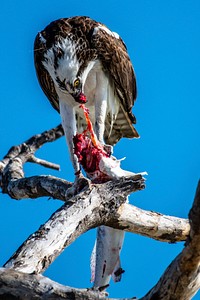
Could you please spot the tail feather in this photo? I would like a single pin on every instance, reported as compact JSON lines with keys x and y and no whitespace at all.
{"x":121,"y":127}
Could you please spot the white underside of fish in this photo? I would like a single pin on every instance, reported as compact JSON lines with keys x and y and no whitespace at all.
{"x":105,"y":259}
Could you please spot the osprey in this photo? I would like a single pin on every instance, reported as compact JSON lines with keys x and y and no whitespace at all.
{"x":77,"y":60}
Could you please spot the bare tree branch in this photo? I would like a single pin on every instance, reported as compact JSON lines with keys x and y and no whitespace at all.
{"x":151,"y":224}
{"x":44,"y":163}
{"x":27,"y":287}
{"x":181,"y":280}
{"x":38,"y":186}
{"x":89,"y":209}
{"x":11,"y":167}
{"x":96,"y":205}
{"x":130,"y":218}
{"x":92,"y":208}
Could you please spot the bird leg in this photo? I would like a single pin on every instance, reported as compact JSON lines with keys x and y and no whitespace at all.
{"x":79,"y":184}
{"x":105,"y":261}
{"x":101,"y":109}
{"x":108,"y":149}
{"x":69,"y":125}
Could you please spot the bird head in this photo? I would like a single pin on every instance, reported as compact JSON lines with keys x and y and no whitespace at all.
{"x":73,"y":87}
{"x":63,"y":66}
{"x":76,"y":91}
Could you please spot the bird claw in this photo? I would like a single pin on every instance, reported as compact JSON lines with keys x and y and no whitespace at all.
{"x":79,"y":184}
{"x":108,"y":149}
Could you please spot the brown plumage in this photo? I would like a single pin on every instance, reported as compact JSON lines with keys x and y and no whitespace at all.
{"x":93,"y":42}
{"x":78,"y":59}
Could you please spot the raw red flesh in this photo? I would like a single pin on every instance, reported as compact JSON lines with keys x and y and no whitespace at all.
{"x":90,"y":151}
{"x":82,"y":98}
{"x":90,"y":127}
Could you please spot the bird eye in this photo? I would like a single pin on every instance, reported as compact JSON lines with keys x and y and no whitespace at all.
{"x":76,"y":83}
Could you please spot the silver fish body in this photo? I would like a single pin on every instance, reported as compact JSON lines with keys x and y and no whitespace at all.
{"x":105,"y":259}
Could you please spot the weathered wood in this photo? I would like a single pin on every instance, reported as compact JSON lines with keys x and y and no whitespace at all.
{"x":11,"y":167}
{"x":21,"y":286}
{"x":38,"y":186}
{"x":96,"y":205}
{"x":151,"y":224}
{"x":181,"y":280}
{"x":89,"y":209}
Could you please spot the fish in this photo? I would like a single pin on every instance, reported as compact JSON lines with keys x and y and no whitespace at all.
{"x":100,"y":166}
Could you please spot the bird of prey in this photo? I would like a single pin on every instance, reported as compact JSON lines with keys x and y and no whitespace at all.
{"x":79,"y":60}
{"x":76,"y":58}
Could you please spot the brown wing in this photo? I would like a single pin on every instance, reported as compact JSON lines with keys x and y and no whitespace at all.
{"x":44,"y":79}
{"x":114,"y":57}
{"x":44,"y":40}
{"x":115,"y":60}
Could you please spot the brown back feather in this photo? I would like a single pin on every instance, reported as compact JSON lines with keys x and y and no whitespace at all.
{"x":113,"y":55}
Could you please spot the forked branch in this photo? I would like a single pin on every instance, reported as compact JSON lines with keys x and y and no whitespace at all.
{"x":181,"y":280}
{"x":91,"y":208}
{"x":96,"y":205}
{"x":11,"y":167}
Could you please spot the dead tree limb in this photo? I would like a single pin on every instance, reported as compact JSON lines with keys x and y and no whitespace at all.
{"x":91,"y":208}
{"x":181,"y":280}
{"x":151,"y":224}
{"x":96,"y":205}
{"x":11,"y":167}
{"x":21,"y":286}
{"x":129,"y":218}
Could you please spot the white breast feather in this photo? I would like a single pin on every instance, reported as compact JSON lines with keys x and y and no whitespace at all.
{"x":68,"y":67}
{"x":68,"y":64}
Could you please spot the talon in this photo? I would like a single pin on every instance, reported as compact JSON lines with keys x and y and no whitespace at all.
{"x":79,"y":184}
{"x":108,"y":149}
{"x":78,"y":173}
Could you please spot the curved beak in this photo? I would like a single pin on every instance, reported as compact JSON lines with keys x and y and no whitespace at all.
{"x":80,"y":98}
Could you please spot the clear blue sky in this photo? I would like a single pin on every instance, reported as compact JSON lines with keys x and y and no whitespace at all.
{"x":163,"y":42}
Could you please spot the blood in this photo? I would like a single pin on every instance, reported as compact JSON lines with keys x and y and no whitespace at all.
{"x":90,"y":129}
{"x":89,"y":150}
{"x":82,"y":98}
